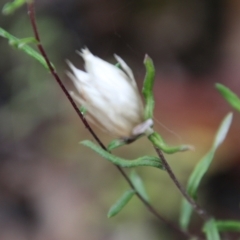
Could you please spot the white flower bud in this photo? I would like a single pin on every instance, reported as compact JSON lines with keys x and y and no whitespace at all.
{"x":110,"y":96}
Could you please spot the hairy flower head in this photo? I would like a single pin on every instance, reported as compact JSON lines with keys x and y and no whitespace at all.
{"x":110,"y":95}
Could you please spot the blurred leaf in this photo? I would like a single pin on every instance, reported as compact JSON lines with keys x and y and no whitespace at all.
{"x":185,"y":214}
{"x":11,"y":7}
{"x":228,"y":226}
{"x":229,"y":96}
{"x":21,"y":45}
{"x":121,"y":203}
{"x":200,"y":170}
{"x":202,"y":167}
{"x":83,"y":110}
{"x":138,"y":184}
{"x":115,"y":144}
{"x":159,"y":142}
{"x":148,"y":88}
{"x":142,"y":161}
{"x":21,"y":42}
{"x":211,"y":230}
{"x":198,"y":173}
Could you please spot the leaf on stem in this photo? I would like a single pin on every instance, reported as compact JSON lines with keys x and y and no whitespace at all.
{"x":83,"y":110}
{"x":228,"y":226}
{"x":138,"y":184}
{"x":148,"y":88}
{"x":211,"y":231}
{"x":121,"y":203}
{"x":159,"y":142}
{"x":185,"y":214}
{"x":118,"y":65}
{"x":229,"y":96}
{"x":21,"y":44}
{"x":116,"y":143}
{"x":200,"y":170}
{"x":141,"y":161}
{"x":204,"y":164}
{"x":11,"y":7}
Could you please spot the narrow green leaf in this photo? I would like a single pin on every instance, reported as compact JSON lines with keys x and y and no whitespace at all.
{"x":198,"y":173}
{"x":223,"y":130}
{"x":138,"y":184}
{"x":121,"y":203}
{"x":11,"y":7}
{"x":228,"y":226}
{"x":185,"y":214}
{"x":142,"y":161}
{"x":204,"y":164}
{"x":211,"y":231}
{"x":200,"y":170}
{"x":115,"y":144}
{"x":19,"y":44}
{"x":159,"y":142}
{"x":148,"y":87}
{"x":229,"y":96}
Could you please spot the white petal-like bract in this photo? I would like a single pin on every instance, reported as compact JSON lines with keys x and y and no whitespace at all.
{"x":109,"y":94}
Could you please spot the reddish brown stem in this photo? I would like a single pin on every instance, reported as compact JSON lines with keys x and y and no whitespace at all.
{"x":201,"y":212}
{"x":31,"y":13}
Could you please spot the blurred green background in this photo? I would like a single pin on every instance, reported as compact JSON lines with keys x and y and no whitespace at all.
{"x":53,"y":188}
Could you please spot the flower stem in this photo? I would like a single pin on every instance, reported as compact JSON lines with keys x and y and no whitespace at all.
{"x":157,"y":145}
{"x":154,"y":211}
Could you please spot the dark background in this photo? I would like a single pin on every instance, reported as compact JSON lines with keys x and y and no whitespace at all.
{"x":53,"y":188}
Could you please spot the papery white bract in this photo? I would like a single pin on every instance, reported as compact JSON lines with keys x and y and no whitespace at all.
{"x":109,"y":94}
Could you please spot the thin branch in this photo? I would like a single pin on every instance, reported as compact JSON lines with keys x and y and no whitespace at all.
{"x":201,"y":212}
{"x":154,"y":211}
{"x":31,"y":12}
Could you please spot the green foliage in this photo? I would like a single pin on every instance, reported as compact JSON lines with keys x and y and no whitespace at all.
{"x":121,"y":203}
{"x":21,"y":44}
{"x":147,"y":91}
{"x":211,"y":231}
{"x":11,"y":7}
{"x":148,"y":88}
{"x":118,"y":65}
{"x":138,"y":184}
{"x":228,"y":226}
{"x":141,"y":161}
{"x":201,"y":168}
{"x":83,"y":110}
{"x":229,"y":96}
{"x":185,"y":214}
{"x":116,"y":143}
{"x":158,"y":142}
